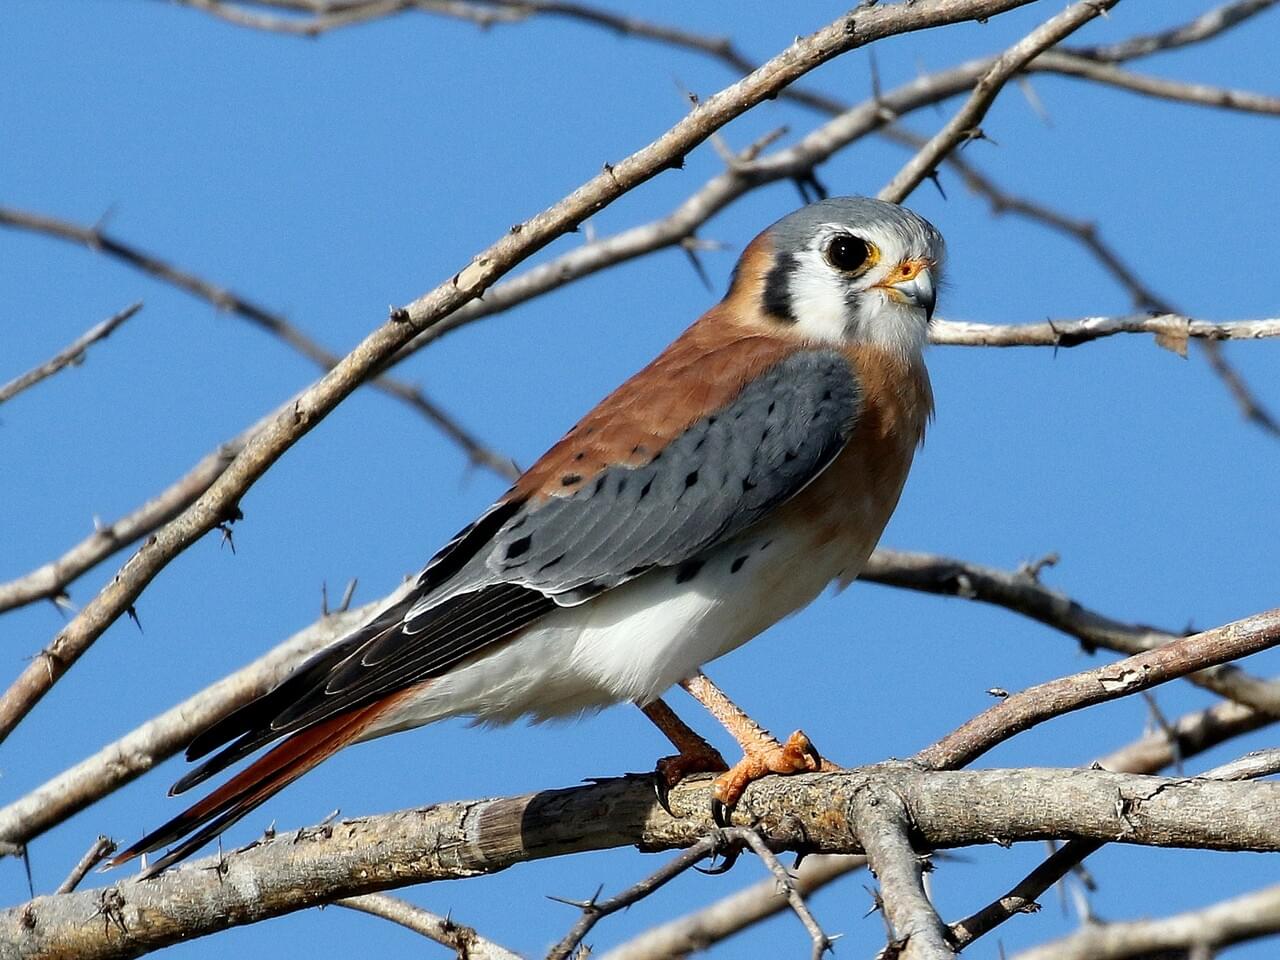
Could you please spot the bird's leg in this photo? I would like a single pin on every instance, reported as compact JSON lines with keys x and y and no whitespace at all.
{"x":695,"y":756}
{"x":763,"y":754}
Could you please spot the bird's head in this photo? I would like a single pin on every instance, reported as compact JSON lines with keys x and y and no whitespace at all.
{"x":844,"y":270}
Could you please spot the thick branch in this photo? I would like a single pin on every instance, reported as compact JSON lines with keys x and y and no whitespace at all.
{"x":72,"y":354}
{"x":450,"y":841}
{"x":883,"y":825}
{"x":1187,"y":736}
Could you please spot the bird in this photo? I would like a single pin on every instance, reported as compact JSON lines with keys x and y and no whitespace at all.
{"x":752,"y":463}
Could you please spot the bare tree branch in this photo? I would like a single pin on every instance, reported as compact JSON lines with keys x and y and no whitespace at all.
{"x":458,"y":840}
{"x":299,"y":416}
{"x":158,"y":739}
{"x":1170,"y":328}
{"x":721,"y":841}
{"x":1193,"y":734}
{"x":1208,"y":25}
{"x":69,"y":356}
{"x":1023,"y":710}
{"x":883,"y":826}
{"x":1064,"y":64}
{"x":734,"y":913}
{"x":1232,"y":921}
{"x":964,"y":124}
{"x":95,"y":238}
{"x":1022,"y":592}
{"x":1019,"y":591}
{"x":50,"y":581}
{"x":102,"y":848}
{"x":464,"y":940}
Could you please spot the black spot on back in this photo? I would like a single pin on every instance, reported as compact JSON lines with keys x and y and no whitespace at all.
{"x":688,"y":570}
{"x":519,"y":547}
{"x":569,"y":479}
{"x":737,"y":564}
{"x":691,"y":479}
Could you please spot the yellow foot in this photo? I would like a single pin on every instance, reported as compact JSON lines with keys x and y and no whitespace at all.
{"x":797,"y":755}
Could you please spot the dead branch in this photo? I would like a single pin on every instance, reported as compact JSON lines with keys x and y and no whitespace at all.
{"x":158,"y":739}
{"x":102,"y":848}
{"x":298,"y":417}
{"x":963,"y":125}
{"x":1032,"y":706}
{"x":721,"y":841}
{"x":464,"y":940}
{"x":734,"y":913}
{"x":1170,"y":328}
{"x":71,"y":355}
{"x":95,"y":238}
{"x":1232,"y":921}
{"x":1024,"y":593}
{"x":452,"y":841}
{"x":1208,"y":25}
{"x":883,"y":824}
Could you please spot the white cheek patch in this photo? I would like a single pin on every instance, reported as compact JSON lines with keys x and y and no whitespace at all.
{"x":886,"y":322}
{"x":817,"y":298}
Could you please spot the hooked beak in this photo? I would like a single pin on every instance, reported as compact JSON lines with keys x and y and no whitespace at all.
{"x":911,"y":282}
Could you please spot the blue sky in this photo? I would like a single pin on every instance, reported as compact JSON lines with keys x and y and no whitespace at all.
{"x":330,"y":178}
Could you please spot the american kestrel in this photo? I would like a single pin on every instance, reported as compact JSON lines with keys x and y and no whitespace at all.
{"x":721,"y":488}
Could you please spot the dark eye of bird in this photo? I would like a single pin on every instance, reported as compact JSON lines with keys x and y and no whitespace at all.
{"x":848,"y":253}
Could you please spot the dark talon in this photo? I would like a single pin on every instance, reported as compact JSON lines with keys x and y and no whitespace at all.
{"x":662,"y":790}
{"x":720,"y":814}
{"x":730,"y":859}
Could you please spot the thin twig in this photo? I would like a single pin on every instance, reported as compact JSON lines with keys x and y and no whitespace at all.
{"x":1208,"y":25}
{"x":463,"y":940}
{"x":1023,"y":710}
{"x":1170,"y":329}
{"x":718,"y":841}
{"x":73,"y":354}
{"x":95,"y":238}
{"x":963,"y":125}
{"x":1231,"y":921}
{"x":102,"y":848}
{"x":1014,"y":590}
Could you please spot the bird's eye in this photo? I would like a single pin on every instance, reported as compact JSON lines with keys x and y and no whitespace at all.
{"x":848,"y":253}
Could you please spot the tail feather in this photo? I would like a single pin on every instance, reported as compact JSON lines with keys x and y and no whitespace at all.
{"x":249,"y":788}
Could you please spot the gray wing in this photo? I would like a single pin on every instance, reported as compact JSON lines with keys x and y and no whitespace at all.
{"x":716,"y":479}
